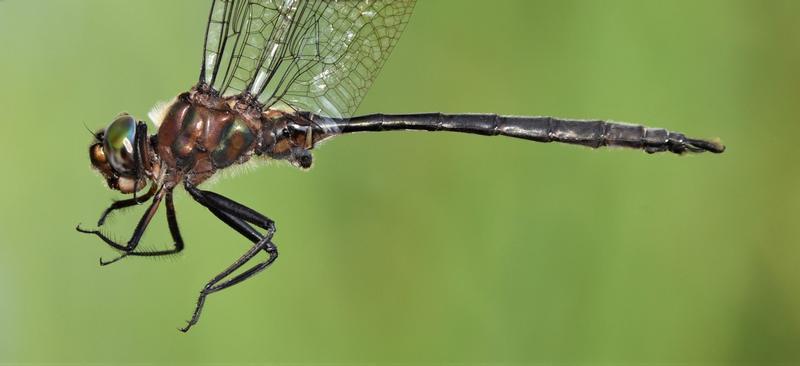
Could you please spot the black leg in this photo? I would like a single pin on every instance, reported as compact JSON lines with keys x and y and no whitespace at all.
{"x":177,"y":245}
{"x":131,"y":245}
{"x":138,"y":153}
{"x":236,"y":216}
{"x":140,"y":227}
{"x":116,"y":205}
{"x":211,"y":199}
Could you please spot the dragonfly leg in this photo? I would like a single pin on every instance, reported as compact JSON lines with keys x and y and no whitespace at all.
{"x":177,"y":243}
{"x":237,"y":217}
{"x":137,"y":154}
{"x":116,"y":205}
{"x":129,"y":247}
{"x":213,"y":200}
{"x":137,"y":233}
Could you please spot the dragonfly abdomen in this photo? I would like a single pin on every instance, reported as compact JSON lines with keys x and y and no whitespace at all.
{"x":541,"y":129}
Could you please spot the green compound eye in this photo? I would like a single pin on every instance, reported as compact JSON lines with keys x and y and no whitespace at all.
{"x":118,"y":144}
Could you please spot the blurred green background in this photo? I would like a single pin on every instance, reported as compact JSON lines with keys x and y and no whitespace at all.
{"x":422,"y":247}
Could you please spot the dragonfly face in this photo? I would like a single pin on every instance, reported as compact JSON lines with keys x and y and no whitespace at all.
{"x":276,"y":78}
{"x":115,"y":154}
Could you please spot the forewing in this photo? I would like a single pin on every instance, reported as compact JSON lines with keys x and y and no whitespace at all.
{"x":319,"y":56}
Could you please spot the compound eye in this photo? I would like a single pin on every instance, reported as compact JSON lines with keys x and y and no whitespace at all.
{"x":118,"y":142}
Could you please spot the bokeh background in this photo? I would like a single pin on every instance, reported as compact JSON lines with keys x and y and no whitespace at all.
{"x":422,"y":247}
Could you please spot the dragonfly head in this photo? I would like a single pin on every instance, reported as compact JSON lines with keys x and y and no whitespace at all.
{"x":112,"y":154}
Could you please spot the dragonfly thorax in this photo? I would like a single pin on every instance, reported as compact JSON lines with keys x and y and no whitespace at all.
{"x":196,"y":139}
{"x":201,"y":133}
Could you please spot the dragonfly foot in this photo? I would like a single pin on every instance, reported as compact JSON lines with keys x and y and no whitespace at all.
{"x":105,"y":263}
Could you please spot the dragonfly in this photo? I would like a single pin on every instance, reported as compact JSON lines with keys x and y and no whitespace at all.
{"x":277,"y":77}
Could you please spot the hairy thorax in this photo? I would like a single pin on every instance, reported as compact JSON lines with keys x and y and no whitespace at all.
{"x":201,"y":134}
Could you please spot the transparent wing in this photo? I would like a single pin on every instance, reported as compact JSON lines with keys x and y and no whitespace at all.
{"x":319,"y":56}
